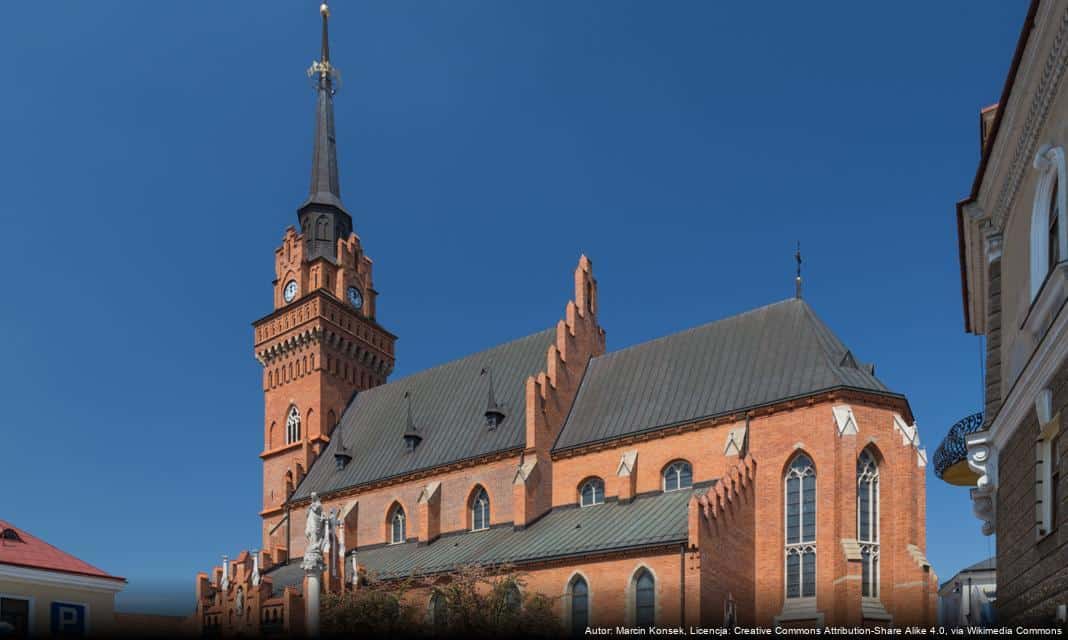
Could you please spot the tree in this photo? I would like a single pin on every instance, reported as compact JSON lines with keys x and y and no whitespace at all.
{"x":471,"y":601}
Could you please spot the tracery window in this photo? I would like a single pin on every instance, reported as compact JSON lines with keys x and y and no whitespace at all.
{"x":591,"y":492}
{"x":678,"y":475}
{"x":800,"y":514}
{"x":396,"y":525}
{"x":868,"y":523}
{"x":293,"y":426}
{"x":644,"y":599}
{"x":480,"y":510}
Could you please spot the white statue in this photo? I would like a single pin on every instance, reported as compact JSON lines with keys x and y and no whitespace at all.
{"x":314,"y":536}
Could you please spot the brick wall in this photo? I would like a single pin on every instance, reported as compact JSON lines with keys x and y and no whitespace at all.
{"x":1032,"y":573}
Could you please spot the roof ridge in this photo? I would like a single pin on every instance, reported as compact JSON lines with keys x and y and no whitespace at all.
{"x":700,"y":327}
{"x":428,"y":370}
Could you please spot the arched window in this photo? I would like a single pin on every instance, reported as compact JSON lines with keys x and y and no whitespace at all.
{"x":579,"y":596}
{"x":800,"y":481}
{"x":678,"y":475}
{"x":480,"y":510}
{"x":644,"y":599}
{"x":868,"y":523}
{"x":439,"y":611}
{"x":293,"y":426}
{"x":513,"y":600}
{"x":396,"y":525}
{"x":591,"y":492}
{"x":1048,"y":243}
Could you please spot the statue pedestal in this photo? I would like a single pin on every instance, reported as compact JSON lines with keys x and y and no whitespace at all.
{"x":311,"y":603}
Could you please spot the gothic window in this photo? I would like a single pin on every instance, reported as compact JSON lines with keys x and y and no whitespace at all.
{"x":396,"y":525}
{"x":800,"y":515}
{"x":678,"y":475}
{"x":644,"y":599}
{"x":1048,"y":216}
{"x":868,"y":523}
{"x":591,"y":492}
{"x":321,"y":229}
{"x":513,"y":600}
{"x":439,"y":611}
{"x":293,"y":426}
{"x":480,"y":510}
{"x":579,"y":597}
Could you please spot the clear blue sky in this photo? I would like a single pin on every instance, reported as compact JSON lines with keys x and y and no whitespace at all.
{"x":153,"y":153}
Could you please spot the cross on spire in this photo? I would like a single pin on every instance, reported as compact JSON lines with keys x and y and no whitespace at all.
{"x":797,"y":256}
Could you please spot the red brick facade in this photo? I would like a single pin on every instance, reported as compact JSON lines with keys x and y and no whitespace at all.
{"x":735,"y":548}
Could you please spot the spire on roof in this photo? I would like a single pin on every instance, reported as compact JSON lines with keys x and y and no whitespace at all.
{"x":797,"y":284}
{"x":411,"y":433}
{"x":494,"y":413}
{"x":341,"y":454}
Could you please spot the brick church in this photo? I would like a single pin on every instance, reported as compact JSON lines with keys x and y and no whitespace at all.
{"x":751,"y":470}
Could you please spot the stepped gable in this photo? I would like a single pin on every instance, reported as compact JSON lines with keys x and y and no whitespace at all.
{"x":766,"y":355}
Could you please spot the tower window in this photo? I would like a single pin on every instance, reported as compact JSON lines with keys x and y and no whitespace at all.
{"x":293,"y":426}
{"x":800,"y":485}
{"x":591,"y":492}
{"x":678,"y":475}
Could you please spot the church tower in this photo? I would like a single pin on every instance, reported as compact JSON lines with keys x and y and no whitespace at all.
{"x":321,"y":344}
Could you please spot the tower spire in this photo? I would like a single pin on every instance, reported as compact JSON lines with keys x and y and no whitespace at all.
{"x":323,"y":217}
{"x":324,"y":175}
{"x":797,"y":256}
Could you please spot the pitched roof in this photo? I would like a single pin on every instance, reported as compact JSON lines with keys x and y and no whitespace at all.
{"x":648,"y":520}
{"x":30,"y":551}
{"x":448,"y":406}
{"x":769,"y":354}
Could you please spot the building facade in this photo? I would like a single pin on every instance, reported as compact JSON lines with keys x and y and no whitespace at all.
{"x":749,"y":470}
{"x":967,"y":599}
{"x":47,"y":592}
{"x":1013,"y":250}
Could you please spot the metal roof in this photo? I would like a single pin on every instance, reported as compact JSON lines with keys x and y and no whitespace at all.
{"x":448,"y":405}
{"x":776,"y":352}
{"x":648,"y":520}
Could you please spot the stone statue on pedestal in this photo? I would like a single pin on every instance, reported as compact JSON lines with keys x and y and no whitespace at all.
{"x":314,"y":536}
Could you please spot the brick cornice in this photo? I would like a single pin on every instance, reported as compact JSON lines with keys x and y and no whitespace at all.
{"x":410,"y":476}
{"x":328,"y":297}
{"x":886,"y":400}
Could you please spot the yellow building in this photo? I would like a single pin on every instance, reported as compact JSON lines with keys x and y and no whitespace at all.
{"x":46,"y":591}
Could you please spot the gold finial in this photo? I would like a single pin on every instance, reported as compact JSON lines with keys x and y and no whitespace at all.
{"x":325,"y":10}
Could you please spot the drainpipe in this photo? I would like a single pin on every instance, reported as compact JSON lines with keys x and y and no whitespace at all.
{"x":288,"y":547}
{"x":682,"y":585}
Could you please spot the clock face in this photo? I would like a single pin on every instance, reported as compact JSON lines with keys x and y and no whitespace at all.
{"x":355,"y":297}
{"x":290,"y":291}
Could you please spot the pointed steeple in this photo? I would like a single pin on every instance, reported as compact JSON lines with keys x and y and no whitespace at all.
{"x":341,"y":455}
{"x":323,"y":217}
{"x":411,"y":433}
{"x":494,"y":413}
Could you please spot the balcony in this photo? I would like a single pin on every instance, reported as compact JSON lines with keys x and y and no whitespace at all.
{"x":951,"y":457}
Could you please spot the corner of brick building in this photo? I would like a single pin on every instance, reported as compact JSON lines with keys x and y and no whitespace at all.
{"x":722,"y":549}
{"x":550,"y":394}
